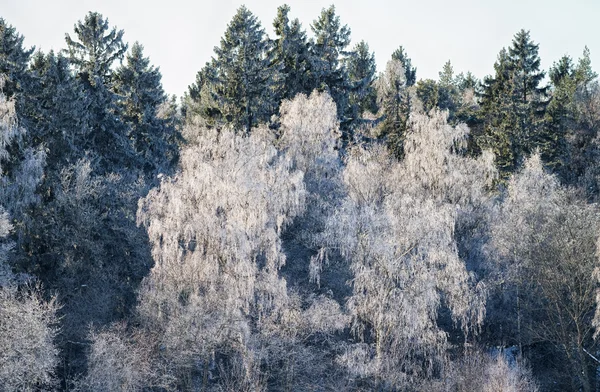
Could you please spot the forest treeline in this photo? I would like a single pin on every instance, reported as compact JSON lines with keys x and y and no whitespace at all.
{"x":298,"y":221}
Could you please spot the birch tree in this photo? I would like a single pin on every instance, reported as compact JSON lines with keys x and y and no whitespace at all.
{"x":396,"y":228}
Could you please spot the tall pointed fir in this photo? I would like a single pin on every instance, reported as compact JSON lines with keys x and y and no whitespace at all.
{"x":568,"y":147}
{"x":410,"y":72}
{"x":54,"y":110}
{"x":147,"y":112}
{"x":14,"y":59}
{"x":327,"y":59}
{"x":245,"y":81}
{"x":290,"y":52}
{"x":393,"y":98}
{"x":200,"y":102}
{"x":361,"y":71}
{"x":514,"y":104}
{"x":92,"y":52}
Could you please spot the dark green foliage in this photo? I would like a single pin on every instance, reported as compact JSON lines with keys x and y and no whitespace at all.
{"x":147,"y":112}
{"x":394,"y":100}
{"x":92,"y":53}
{"x":244,"y":80}
{"x":201,"y":99}
{"x":361,"y":71}
{"x":514,"y":104}
{"x":291,"y":53}
{"x":95,"y":49}
{"x":328,"y":50}
{"x":53,"y":111}
{"x":13,"y":59}
{"x":428,"y":92}
{"x":569,"y":135}
{"x":409,"y":71}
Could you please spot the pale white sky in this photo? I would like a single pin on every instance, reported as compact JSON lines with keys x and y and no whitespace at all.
{"x":179,"y":36}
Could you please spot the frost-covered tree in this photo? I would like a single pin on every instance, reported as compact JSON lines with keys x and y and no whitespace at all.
{"x":215,"y":229}
{"x":396,"y":228}
{"x":479,"y":371}
{"x":28,"y":327}
{"x":310,"y":137}
{"x":118,"y":360}
{"x":543,"y":244}
{"x":28,"y":322}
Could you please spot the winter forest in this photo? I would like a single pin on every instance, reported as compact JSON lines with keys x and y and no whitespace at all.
{"x":297,"y":221}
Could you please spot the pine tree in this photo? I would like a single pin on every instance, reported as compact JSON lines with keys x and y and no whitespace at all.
{"x":290,"y":52}
{"x":245,"y":82}
{"x":141,"y":98}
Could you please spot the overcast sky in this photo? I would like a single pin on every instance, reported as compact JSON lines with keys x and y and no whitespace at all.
{"x":179,"y":36}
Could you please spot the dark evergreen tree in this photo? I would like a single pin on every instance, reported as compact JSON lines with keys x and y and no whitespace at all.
{"x":92,"y":53}
{"x":428,"y":91}
{"x":449,"y":93}
{"x":394,"y":100}
{"x":327,"y":59}
{"x":14,"y":60}
{"x":409,"y":71}
{"x":569,"y":146}
{"x":467,"y":81}
{"x":514,"y":105}
{"x":200,"y":101}
{"x":361,"y":70}
{"x":291,"y":53}
{"x":145,"y":109}
{"x":245,"y":82}
{"x":54,"y":110}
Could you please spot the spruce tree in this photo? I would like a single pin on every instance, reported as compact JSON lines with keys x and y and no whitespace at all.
{"x":327,"y":53}
{"x":393,"y":98}
{"x":514,"y":104}
{"x":141,"y":97}
{"x":290,"y":52}
{"x":14,"y":59}
{"x":361,"y":70}
{"x":54,"y":110}
{"x":92,"y":53}
{"x":201,"y":100}
{"x":568,"y":147}
{"x":409,"y":71}
{"x":245,"y":82}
